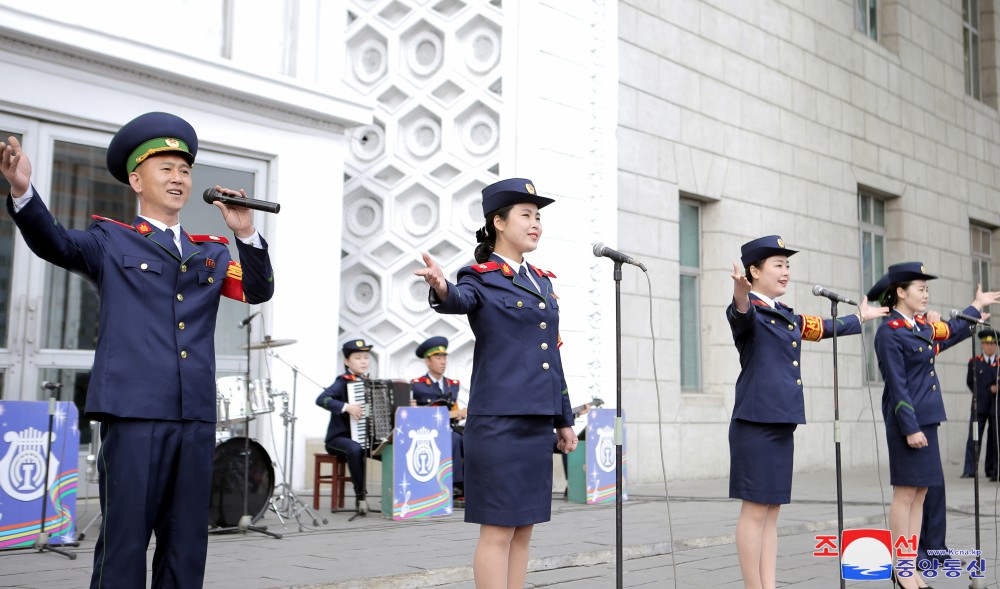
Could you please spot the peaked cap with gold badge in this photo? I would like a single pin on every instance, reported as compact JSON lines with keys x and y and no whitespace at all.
{"x":146,"y":135}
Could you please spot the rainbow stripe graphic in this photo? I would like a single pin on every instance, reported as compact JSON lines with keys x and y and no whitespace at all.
{"x":62,"y":495}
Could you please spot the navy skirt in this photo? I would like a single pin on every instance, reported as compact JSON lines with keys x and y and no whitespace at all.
{"x":913,"y":467}
{"x":508,"y":469}
{"x":760,"y":461}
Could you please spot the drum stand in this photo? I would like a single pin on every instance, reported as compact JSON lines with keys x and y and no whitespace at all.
{"x":287,"y":503}
{"x":246,"y":520}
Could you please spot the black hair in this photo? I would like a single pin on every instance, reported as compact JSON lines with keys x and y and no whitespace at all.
{"x":487,"y":235}
{"x":758,"y":265}
{"x":890,"y":298}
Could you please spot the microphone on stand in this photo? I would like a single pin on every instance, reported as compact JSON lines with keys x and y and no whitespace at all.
{"x":956,"y":314}
{"x":822,"y":292}
{"x":603,"y":251}
{"x":247,"y":320}
{"x":212,"y":195}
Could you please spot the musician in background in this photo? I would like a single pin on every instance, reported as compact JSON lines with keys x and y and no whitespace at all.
{"x":434,"y":389}
{"x":338,"y":434}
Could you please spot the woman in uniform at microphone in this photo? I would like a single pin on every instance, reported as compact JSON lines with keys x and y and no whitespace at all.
{"x":769,"y":403}
{"x":907,"y":344}
{"x":518,"y":393}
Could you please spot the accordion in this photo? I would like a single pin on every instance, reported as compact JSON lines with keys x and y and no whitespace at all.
{"x":378,"y":400}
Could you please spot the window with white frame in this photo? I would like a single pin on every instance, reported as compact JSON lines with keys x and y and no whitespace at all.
{"x":871,"y":225}
{"x":970,"y":46}
{"x":982,"y":256}
{"x":865,"y":12}
{"x":690,"y":301}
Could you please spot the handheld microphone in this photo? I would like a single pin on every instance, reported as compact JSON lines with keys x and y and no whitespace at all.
{"x":212,"y":195}
{"x":956,"y":314}
{"x":246,"y":320}
{"x":819,"y":291}
{"x":603,"y":251}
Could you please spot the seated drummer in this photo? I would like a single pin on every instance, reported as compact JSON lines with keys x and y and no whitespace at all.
{"x":434,"y":389}
{"x":338,"y":435}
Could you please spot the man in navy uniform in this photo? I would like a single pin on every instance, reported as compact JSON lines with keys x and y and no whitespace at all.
{"x":434,"y":389}
{"x":338,"y":434}
{"x":983,"y":369}
{"x":152,"y":385}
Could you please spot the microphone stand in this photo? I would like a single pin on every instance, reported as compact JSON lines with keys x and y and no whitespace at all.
{"x":42,"y":540}
{"x":618,"y":426}
{"x":836,"y":439}
{"x":975,"y":583}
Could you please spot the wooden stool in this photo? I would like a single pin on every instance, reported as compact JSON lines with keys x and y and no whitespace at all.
{"x":336,"y":479}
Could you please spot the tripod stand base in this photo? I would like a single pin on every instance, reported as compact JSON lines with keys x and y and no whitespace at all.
{"x":42,"y":544}
{"x":245,"y":528}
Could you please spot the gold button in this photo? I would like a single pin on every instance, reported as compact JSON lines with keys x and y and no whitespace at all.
{"x":180,"y":297}
{"x":795,"y":363}
{"x":933,"y":387}
{"x":543,"y":325}
{"x":211,"y":280}
{"x":932,"y":360}
{"x":520,"y":304}
{"x":545,"y":346}
{"x":772,"y":321}
{"x":184,"y":354}
{"x":541,"y":305}
{"x":790,"y":326}
{"x":181,"y":326}
{"x":184,"y":268}
{"x":545,"y":365}
{"x":932,"y":373}
{"x":795,"y":344}
{"x":144,"y":265}
{"x":798,"y":381}
{"x":920,"y":349}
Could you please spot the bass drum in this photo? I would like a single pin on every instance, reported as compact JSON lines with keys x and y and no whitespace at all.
{"x":226,"y":505}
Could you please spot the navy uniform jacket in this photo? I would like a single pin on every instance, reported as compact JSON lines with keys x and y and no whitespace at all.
{"x":333,"y":400}
{"x":986,"y":376}
{"x":424,"y":392}
{"x":155,"y":356}
{"x":912,"y":393}
{"x":769,"y":388}
{"x":517,"y":368}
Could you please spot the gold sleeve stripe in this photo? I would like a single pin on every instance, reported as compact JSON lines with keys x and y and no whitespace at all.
{"x":941,"y":331}
{"x":812,"y":328}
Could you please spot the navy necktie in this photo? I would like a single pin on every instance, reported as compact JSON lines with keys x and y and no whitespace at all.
{"x":523,"y":273}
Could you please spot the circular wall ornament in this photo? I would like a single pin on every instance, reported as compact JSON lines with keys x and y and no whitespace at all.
{"x":370,"y":61}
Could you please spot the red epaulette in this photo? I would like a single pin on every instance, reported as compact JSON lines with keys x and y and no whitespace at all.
{"x":348,"y":377}
{"x":422,"y":379}
{"x":100,"y":218}
{"x":541,"y":272}
{"x":897,"y":323}
{"x":920,"y":319}
{"x":491,"y":266}
{"x":207,"y":238}
{"x":760,"y":303}
{"x":451,"y":382}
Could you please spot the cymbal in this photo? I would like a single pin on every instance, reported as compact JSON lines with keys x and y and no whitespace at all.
{"x":267,"y":342}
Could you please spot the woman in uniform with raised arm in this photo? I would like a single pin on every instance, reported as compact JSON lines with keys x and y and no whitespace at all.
{"x":769,"y":402}
{"x":518,"y":391}
{"x":907,"y":344}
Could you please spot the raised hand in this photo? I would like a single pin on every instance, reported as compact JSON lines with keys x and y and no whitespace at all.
{"x":741,"y":289}
{"x":238,"y":219}
{"x":15,"y":166}
{"x":985,"y":299}
{"x":932,"y":316}
{"x":434,"y":277}
{"x":870,"y":312}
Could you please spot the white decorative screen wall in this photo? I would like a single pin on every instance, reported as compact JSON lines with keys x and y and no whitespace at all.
{"x":413,"y":178}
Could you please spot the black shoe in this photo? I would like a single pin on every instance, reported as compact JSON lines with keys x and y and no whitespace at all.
{"x":993,"y":478}
{"x":362,"y":506}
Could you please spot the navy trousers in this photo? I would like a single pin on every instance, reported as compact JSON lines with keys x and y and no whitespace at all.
{"x":155,"y":477}
{"x":351,"y":451}
{"x":990,"y":442}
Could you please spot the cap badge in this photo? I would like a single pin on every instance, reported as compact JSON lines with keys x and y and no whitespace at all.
{"x":922,"y":269}
{"x":781,"y":242}
{"x":529,"y":188}
{"x":360,"y":343}
{"x":171,"y":142}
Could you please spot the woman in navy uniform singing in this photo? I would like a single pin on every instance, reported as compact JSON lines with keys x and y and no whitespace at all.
{"x":518,"y":391}
{"x":769,"y":402}
{"x":906,"y":344}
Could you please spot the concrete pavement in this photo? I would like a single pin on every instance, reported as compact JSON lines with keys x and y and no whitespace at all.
{"x":576,"y":549}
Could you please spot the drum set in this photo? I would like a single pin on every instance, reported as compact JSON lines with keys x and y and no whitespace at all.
{"x":241,"y":464}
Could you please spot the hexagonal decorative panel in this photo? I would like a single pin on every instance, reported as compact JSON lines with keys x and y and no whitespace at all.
{"x":413,"y":178}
